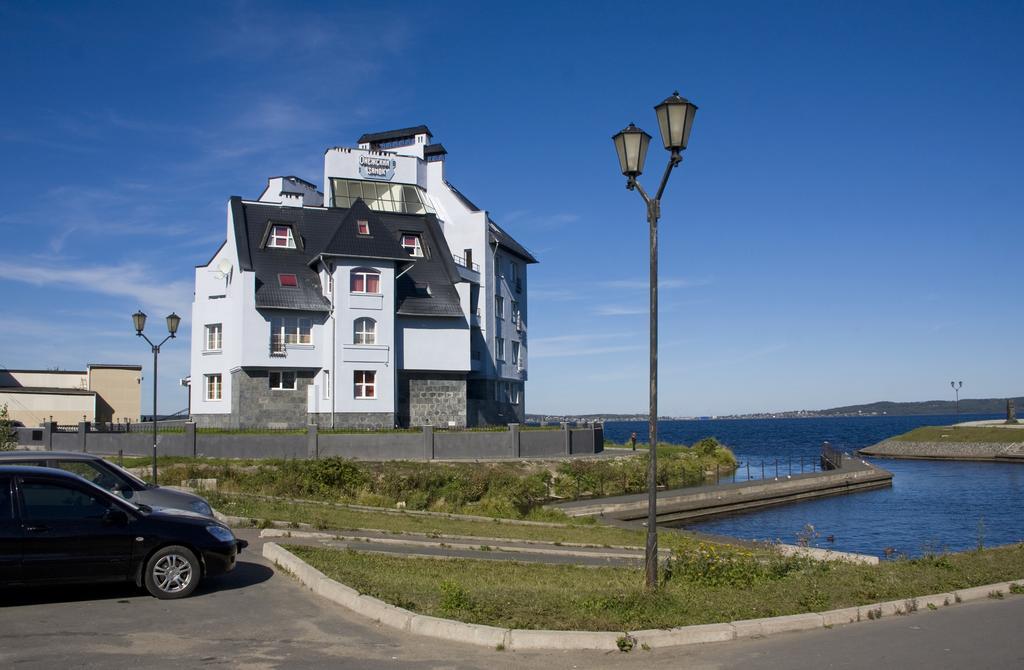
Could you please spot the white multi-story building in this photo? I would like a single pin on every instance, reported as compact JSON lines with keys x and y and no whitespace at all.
{"x":388,"y":299}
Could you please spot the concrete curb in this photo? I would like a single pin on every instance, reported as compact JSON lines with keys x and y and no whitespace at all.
{"x":496,"y":544}
{"x":571,"y":640}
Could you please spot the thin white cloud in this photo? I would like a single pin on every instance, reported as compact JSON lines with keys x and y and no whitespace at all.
{"x":663,"y":283}
{"x":553,"y":294}
{"x":620,"y":310}
{"x":562,"y":346}
{"x":131,"y":280}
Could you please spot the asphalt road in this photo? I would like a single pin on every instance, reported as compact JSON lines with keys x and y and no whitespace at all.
{"x":256,"y":618}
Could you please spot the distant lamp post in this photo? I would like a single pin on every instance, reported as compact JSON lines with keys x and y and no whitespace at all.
{"x":173,"y":321}
{"x":675,"y":120}
{"x":956,"y":389}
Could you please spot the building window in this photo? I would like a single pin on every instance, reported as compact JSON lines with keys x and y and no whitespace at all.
{"x":281,"y":237}
{"x":413,"y":245}
{"x":515,"y":353}
{"x":213,"y":387}
{"x":365,"y":281}
{"x":365,"y":384}
{"x":513,"y":272}
{"x":499,"y":349}
{"x":514,"y":305}
{"x":327,"y":383}
{"x":513,"y":393}
{"x":381,"y":197}
{"x":289,"y":330}
{"x":363,"y":227}
{"x":214,"y":336}
{"x":499,"y":307}
{"x":288,"y":280}
{"x":282,"y":380}
{"x":502,"y":392}
{"x":365,"y":331}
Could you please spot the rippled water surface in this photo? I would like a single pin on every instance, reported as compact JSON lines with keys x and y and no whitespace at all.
{"x":932,"y":505}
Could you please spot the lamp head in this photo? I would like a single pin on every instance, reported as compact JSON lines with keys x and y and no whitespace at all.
{"x":631,"y":146}
{"x":139,"y":319}
{"x":173,"y":320}
{"x":675,"y":120}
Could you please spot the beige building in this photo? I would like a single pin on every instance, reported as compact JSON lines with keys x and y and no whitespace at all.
{"x":100,"y":393}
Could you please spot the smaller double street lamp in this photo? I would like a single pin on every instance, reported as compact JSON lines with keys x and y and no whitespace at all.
{"x":173,"y":320}
{"x":675,"y":119}
{"x":956,"y":389}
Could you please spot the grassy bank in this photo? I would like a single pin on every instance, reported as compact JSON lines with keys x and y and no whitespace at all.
{"x":324,"y":516}
{"x":706,"y":586}
{"x":963,"y":434}
{"x":516,"y":489}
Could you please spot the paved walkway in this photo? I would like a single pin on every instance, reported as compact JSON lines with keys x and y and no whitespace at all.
{"x":256,"y":618}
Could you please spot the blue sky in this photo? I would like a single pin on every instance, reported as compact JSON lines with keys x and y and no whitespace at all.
{"x":846,"y":225}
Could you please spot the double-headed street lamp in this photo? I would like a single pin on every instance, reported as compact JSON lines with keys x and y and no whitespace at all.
{"x":173,"y":320}
{"x":956,"y":389}
{"x":675,"y":119}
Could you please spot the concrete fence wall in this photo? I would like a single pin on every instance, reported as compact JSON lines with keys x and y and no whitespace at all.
{"x":427,"y":444}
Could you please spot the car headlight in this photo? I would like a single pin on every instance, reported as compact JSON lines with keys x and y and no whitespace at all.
{"x":221,"y":533}
{"x":200,"y":507}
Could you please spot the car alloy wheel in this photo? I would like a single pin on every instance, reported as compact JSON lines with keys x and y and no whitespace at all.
{"x":172,"y":572}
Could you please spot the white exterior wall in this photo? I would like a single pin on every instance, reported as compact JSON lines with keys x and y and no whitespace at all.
{"x":432,"y":344}
{"x":226,"y":311}
{"x":350,"y":357}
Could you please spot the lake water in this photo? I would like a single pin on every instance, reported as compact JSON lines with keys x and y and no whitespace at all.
{"x":932,"y":505}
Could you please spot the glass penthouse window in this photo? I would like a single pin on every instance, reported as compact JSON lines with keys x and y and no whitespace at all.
{"x":381,"y":196}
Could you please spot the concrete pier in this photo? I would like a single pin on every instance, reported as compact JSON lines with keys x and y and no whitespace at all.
{"x":707,"y":501}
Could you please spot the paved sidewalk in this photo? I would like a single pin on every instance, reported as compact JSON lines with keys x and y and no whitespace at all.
{"x":256,"y":618}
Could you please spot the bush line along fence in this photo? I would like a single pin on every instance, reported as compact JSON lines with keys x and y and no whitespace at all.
{"x":181,"y":438}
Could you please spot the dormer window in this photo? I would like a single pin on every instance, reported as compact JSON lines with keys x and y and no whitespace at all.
{"x":413,"y":245}
{"x":281,"y":237}
{"x":363,"y":227}
{"x":288,"y":280}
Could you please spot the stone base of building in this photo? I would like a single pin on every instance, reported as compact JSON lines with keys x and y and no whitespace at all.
{"x":225,"y":421}
{"x":364,"y":420}
{"x":431,"y":399}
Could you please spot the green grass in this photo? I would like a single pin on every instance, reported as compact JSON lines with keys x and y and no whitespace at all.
{"x":962,"y":434}
{"x":508,"y":489}
{"x":533,"y":596}
{"x":341,"y":518}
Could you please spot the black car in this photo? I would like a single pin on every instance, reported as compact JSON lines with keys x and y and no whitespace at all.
{"x":56,"y":527}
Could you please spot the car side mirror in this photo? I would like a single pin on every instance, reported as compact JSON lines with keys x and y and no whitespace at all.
{"x":115,"y":517}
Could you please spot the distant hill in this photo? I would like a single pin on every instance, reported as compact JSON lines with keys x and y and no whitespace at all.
{"x":967,"y":406}
{"x":926,"y":407}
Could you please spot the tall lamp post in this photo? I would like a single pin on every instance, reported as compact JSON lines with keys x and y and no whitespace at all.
{"x":675,"y":119}
{"x":956,"y":389}
{"x":173,"y":320}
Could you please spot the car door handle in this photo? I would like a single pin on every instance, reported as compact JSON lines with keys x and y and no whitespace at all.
{"x":37,"y":529}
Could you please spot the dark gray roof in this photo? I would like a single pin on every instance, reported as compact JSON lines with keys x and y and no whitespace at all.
{"x":388,"y":135}
{"x":434,"y":150}
{"x":380,"y":243}
{"x":428,"y":287}
{"x":502,"y":239}
{"x":321,"y":231}
{"x":114,"y":366}
{"x":497,"y":233}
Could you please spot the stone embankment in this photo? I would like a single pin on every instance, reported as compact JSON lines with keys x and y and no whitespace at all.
{"x":707,"y":501}
{"x":957,"y":451}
